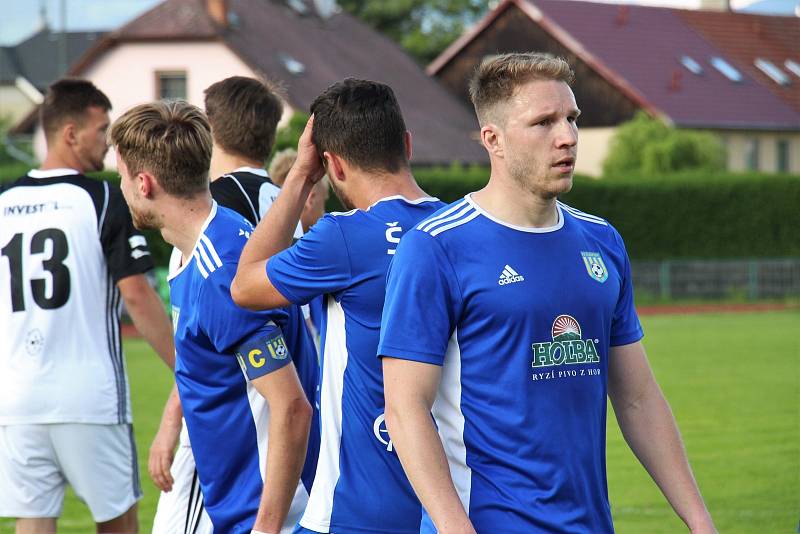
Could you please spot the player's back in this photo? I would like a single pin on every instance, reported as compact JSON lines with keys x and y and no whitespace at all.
{"x":246,"y":190}
{"x":222,"y":409}
{"x":66,"y":239}
{"x":358,"y":471}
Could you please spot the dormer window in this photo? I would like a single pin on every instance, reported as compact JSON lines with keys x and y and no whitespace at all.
{"x":691,"y":65}
{"x":792,"y":66}
{"x":768,"y":68}
{"x":726,"y":69}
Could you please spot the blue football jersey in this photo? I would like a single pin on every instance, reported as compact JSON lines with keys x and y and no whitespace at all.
{"x":521,"y":321}
{"x":227,"y":419}
{"x":360,"y":485}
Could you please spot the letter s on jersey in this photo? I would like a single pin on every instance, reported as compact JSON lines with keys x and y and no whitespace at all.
{"x":391,"y":237}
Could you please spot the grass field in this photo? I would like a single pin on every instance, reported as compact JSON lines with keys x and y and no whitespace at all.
{"x":733,"y":381}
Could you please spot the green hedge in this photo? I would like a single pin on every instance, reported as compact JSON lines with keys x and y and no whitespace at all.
{"x":687,"y":215}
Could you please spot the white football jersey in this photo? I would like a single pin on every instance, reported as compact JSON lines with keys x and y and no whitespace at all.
{"x":65,"y":240}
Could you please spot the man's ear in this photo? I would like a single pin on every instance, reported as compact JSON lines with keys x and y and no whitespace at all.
{"x":492,"y":139}
{"x":335,"y":165}
{"x":147,"y":184}
{"x":69,"y":133}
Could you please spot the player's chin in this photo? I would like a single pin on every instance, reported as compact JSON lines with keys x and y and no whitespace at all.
{"x":561,"y":183}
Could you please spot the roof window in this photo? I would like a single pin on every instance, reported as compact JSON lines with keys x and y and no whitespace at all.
{"x":298,"y":6}
{"x":793,"y":66}
{"x":691,"y":65}
{"x":768,"y":68}
{"x":727,"y":70}
{"x":291,"y":64}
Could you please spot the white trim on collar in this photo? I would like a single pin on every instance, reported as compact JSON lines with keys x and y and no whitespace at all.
{"x":401,"y":197}
{"x":252,"y":170}
{"x":52,"y":173}
{"x":529,"y":229}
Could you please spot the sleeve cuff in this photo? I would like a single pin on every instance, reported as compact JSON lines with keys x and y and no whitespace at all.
{"x":415,"y":356}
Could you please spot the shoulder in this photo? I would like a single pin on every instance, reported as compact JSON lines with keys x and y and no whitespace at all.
{"x":598,"y":227}
{"x":225,"y":235}
{"x":453,"y":218}
{"x":581,"y":217}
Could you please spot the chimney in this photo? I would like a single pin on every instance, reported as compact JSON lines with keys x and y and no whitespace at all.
{"x":218,"y":11}
{"x":623,"y":13}
{"x":715,"y":5}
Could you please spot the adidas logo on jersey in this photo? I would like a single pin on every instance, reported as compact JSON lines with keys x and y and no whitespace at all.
{"x":509,"y":276}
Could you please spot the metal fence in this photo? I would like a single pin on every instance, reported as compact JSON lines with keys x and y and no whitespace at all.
{"x":741,"y":279}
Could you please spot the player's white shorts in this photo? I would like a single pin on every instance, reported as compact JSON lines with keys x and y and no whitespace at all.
{"x":37,"y":461}
{"x":181,"y":511}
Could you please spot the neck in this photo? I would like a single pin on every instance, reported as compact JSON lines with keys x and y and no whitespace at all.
{"x":61,"y":159}
{"x":224,"y":162}
{"x":375,"y":186}
{"x":506,"y":200}
{"x":183,"y":220}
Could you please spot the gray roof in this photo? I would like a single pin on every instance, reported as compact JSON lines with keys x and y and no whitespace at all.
{"x":37,"y":58}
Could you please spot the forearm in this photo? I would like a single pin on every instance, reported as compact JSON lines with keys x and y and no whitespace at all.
{"x":286,"y":453}
{"x":652,"y":434}
{"x":173,"y":411}
{"x":149,"y":317}
{"x":275,"y":232}
{"x":420,"y":450}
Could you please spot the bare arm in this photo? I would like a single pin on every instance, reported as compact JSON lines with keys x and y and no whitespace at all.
{"x":289,"y":422}
{"x":162,"y":450}
{"x":410,"y":389}
{"x":251,"y":287}
{"x":649,"y":429}
{"x":148,"y":315}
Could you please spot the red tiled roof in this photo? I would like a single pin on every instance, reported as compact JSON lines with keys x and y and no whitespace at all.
{"x":263,"y":33}
{"x":638,"y":49}
{"x":745,"y":38}
{"x":170,"y":20}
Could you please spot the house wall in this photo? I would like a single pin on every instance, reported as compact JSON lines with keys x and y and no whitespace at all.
{"x":601,"y":104}
{"x":593,"y":146}
{"x":127,"y":74}
{"x":738,"y":144}
{"x":14,"y":104}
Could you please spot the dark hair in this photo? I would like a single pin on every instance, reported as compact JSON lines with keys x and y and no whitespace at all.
{"x":68,"y":99}
{"x":361,"y":122}
{"x":244,"y":114}
{"x":171,"y":139}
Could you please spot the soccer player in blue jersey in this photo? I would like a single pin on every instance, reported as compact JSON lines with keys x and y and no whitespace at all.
{"x":509,"y":315}
{"x":245,"y":379}
{"x":359,"y":132}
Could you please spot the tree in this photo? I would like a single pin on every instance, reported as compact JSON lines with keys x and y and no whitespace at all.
{"x":423,"y":27}
{"x":645,"y":145}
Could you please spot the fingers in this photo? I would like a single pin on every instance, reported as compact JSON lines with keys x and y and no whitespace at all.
{"x":158,"y":465}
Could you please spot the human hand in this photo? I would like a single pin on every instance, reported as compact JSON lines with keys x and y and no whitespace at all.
{"x":308,"y":165}
{"x":162,"y":453}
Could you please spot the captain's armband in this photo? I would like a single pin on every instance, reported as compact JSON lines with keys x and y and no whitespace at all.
{"x":263,"y":354}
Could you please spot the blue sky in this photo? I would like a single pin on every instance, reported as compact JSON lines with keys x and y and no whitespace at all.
{"x":21,"y":17}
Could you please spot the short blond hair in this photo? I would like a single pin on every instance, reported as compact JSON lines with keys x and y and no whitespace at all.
{"x":171,"y":140}
{"x":280,"y":165}
{"x":497,"y":77}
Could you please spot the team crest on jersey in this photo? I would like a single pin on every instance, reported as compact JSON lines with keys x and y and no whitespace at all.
{"x":595,"y":266}
{"x":567,"y":347}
